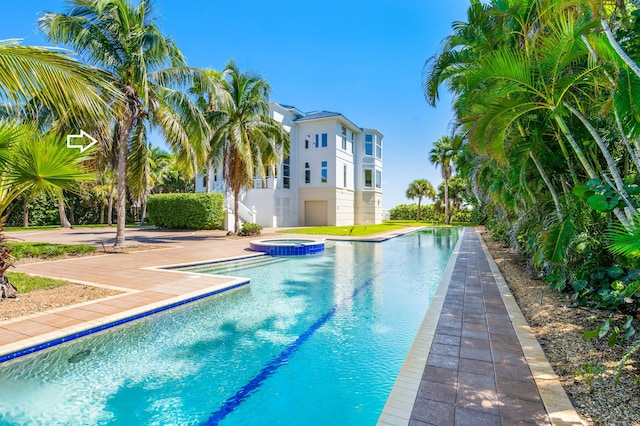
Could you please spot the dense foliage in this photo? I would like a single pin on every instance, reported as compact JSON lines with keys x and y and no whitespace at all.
{"x":186,"y":211}
{"x":551,"y":129}
{"x":547,"y":101}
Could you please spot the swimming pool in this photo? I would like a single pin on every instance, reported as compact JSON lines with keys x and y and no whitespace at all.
{"x":313,"y":340}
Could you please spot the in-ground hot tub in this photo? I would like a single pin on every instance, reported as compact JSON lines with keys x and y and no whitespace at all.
{"x":288,"y":246}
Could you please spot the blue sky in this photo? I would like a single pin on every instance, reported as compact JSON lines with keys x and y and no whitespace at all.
{"x":362,"y":58}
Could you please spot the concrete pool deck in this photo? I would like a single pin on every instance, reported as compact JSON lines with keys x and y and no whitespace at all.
{"x":474,"y":360}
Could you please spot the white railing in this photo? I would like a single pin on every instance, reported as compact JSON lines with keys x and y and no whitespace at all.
{"x":245,"y":214}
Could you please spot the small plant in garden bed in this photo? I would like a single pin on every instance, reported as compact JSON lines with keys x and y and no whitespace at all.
{"x":250,"y":230}
{"x":589,"y":371}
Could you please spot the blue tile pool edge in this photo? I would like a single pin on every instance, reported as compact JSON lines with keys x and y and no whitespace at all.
{"x":93,"y":330}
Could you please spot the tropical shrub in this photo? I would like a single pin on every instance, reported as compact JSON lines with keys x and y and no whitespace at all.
{"x":410,"y":212}
{"x":250,"y":230}
{"x":186,"y":211}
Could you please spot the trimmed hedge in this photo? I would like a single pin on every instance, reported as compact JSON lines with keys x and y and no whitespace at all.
{"x":186,"y":211}
{"x":410,"y":212}
{"x":428,"y":213}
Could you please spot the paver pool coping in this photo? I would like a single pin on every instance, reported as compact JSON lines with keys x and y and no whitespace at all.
{"x":403,"y":397}
{"x":43,"y":341}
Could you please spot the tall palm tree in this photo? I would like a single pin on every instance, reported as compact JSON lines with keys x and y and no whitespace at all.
{"x":442,"y":154}
{"x":210,"y":92}
{"x":145,"y":65}
{"x":419,"y":189}
{"x":246,"y":139}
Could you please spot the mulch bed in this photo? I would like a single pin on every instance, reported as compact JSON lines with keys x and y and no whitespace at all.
{"x":578,"y":362}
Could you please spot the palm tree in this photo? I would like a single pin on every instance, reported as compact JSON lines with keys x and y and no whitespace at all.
{"x":246,"y":139}
{"x":145,"y":173}
{"x":442,"y":154}
{"x":39,"y":165}
{"x":124,"y":40}
{"x":420,"y":188}
{"x":210,"y":92}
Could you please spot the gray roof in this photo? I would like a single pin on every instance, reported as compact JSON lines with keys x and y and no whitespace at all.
{"x":317,"y":114}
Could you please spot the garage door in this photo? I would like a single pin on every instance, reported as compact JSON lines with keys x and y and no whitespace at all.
{"x":315,"y":213}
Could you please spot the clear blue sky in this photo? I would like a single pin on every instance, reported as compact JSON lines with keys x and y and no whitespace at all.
{"x":362,"y":58}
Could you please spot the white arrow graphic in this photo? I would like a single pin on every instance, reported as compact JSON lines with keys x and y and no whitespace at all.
{"x":81,"y":135}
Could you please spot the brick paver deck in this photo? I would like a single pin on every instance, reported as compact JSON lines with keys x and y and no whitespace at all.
{"x":474,"y":370}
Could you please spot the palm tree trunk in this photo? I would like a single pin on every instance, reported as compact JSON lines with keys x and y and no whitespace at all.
{"x":576,"y":148}
{"x":123,"y":151}
{"x":207,"y":184}
{"x":64,"y":222}
{"x":101,"y":213}
{"x":627,"y":60}
{"x":143,"y":207}
{"x":236,"y":217}
{"x":447,"y":212}
{"x":546,"y":180}
{"x":110,"y":205}
{"x":419,"y":200}
{"x":25,"y":213}
{"x":634,"y":152}
{"x":613,"y":169}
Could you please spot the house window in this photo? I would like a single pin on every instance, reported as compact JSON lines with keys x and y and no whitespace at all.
{"x":378,"y":147}
{"x":286,"y":173}
{"x":344,"y":175}
{"x":307,"y":173}
{"x":306,"y":143}
{"x":344,"y":138}
{"x":368,"y":178}
{"x":317,"y":141}
{"x":378,"y":179}
{"x":324,"y":173}
{"x":204,"y":181}
{"x":324,"y":140}
{"x":368,"y":144}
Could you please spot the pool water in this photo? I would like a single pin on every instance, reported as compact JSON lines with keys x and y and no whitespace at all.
{"x":314,"y":340}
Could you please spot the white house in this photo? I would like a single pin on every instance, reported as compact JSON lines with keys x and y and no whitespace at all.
{"x":332,"y":176}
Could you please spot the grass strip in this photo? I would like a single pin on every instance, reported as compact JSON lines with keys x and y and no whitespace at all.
{"x":26,"y":283}
{"x":48,"y":251}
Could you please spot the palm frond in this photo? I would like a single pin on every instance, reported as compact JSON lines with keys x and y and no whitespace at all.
{"x":75,"y":91}
{"x":557,"y":238}
{"x":626,"y":241}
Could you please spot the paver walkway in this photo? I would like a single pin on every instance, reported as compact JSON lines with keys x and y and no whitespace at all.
{"x":476,"y":371}
{"x":475,"y":360}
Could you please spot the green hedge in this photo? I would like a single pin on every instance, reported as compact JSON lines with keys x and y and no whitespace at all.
{"x":410,"y":212}
{"x":186,"y":211}
{"x":428,"y":213}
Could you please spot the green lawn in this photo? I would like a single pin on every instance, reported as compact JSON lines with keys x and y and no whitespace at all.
{"x":48,"y":251}
{"x":361,"y":230}
{"x":26,"y":283}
